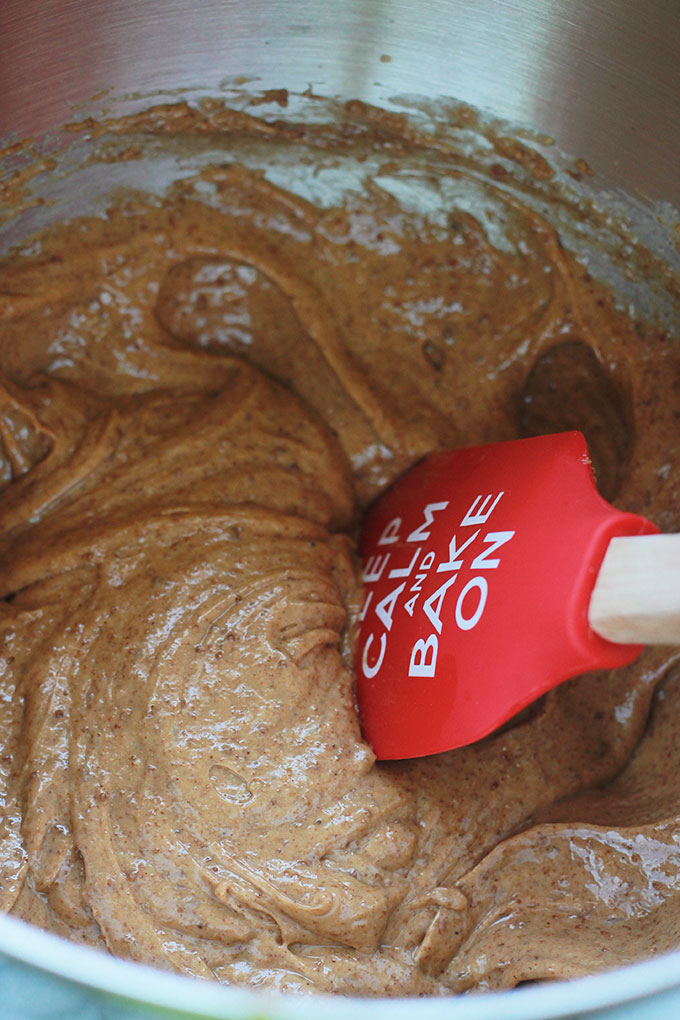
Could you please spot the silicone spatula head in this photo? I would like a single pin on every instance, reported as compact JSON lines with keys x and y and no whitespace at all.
{"x":478,"y":566}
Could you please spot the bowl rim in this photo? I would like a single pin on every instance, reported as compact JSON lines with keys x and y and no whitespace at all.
{"x":143,"y":985}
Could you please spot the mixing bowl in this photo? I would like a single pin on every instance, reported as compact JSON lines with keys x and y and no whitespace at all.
{"x":602,"y":78}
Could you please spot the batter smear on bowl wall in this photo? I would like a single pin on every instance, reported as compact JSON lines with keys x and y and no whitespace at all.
{"x":201,"y":392}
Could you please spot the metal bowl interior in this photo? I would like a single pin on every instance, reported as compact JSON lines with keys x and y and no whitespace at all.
{"x":604,"y":80}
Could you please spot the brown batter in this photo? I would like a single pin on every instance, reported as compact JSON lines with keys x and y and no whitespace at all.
{"x":199,"y":395}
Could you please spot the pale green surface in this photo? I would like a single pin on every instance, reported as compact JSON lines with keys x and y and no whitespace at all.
{"x":26,"y":994}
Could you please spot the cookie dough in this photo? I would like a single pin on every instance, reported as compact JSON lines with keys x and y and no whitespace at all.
{"x":200,"y":393}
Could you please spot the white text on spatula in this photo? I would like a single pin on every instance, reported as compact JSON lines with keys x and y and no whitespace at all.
{"x":471,"y":599}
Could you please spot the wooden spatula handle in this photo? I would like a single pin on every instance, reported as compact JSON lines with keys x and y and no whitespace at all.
{"x":636,"y":599}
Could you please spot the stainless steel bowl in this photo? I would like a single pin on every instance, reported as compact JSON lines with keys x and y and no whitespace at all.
{"x":601,"y":76}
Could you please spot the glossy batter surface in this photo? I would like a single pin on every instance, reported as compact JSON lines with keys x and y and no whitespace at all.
{"x":199,"y":394}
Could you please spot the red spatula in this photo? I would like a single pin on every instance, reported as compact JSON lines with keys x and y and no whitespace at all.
{"x":492,"y":574}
